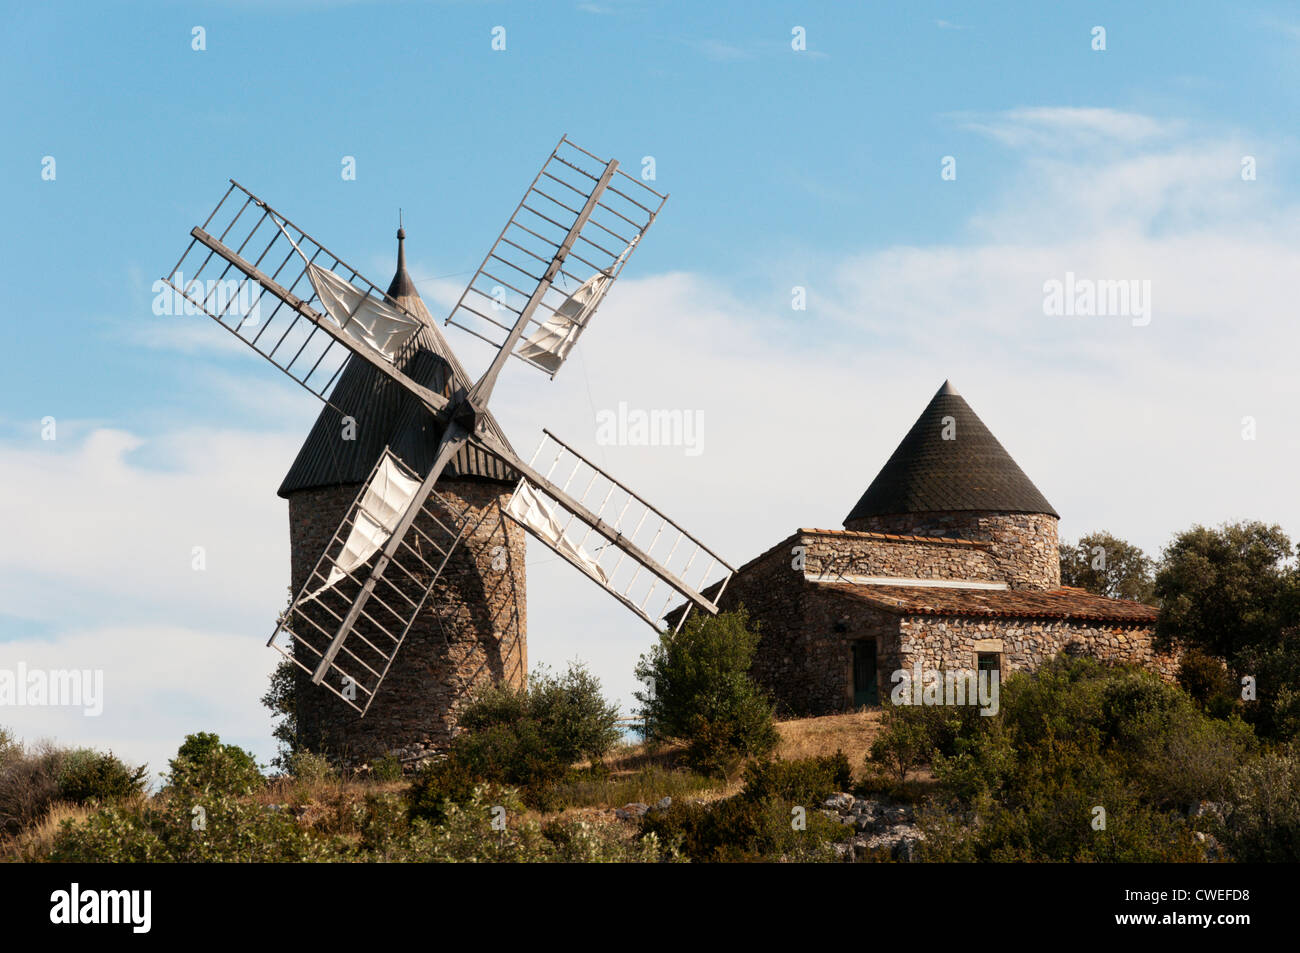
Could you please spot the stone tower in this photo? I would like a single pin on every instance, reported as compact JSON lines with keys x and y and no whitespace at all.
{"x":472,"y":631}
{"x":951,"y":478}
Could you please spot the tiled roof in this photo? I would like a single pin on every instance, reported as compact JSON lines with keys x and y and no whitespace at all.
{"x":1065,"y":602}
{"x":968,"y":471}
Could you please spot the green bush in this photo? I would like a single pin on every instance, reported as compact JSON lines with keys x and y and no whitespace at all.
{"x":309,"y":766}
{"x":204,"y":764}
{"x":1207,"y":680}
{"x":806,"y":781}
{"x":1073,"y":737}
{"x":437,"y":787}
{"x":703,"y":694}
{"x":87,"y":775}
{"x":1263,"y":817}
{"x":742,"y":828}
{"x":386,"y":769}
{"x":911,"y":735}
{"x":528,"y":738}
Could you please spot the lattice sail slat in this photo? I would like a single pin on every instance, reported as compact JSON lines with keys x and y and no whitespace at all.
{"x":557,"y":256}
{"x":247,"y":268}
{"x":613,"y":536}
{"x":309,"y":626}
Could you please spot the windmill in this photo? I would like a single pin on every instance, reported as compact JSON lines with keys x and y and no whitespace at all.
{"x":534,"y":294}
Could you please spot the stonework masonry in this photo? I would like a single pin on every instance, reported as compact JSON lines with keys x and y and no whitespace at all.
{"x":808,"y":628}
{"x":471,"y":632}
{"x":1023,"y":545}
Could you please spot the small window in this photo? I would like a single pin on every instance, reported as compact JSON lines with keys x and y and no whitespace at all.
{"x":989,"y":662}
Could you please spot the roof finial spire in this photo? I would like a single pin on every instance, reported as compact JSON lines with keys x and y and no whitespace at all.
{"x":402,"y":284}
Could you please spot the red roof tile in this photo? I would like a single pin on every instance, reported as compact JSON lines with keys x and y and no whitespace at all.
{"x":1062,"y":603}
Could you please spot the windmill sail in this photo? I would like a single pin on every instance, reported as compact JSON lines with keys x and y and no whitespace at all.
{"x":244,"y":251}
{"x":613,"y":536}
{"x":384,"y":498}
{"x":365,"y":319}
{"x":353,"y":662}
{"x":574,"y":228}
{"x":529,"y":510}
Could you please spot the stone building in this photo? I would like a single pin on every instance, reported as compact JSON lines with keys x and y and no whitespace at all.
{"x":950,"y":559}
{"x":473,"y":629}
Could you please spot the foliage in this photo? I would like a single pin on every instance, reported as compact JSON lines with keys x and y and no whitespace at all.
{"x":529,"y":737}
{"x":386,"y":768}
{"x":807,"y":781}
{"x":1209,"y":683}
{"x":1227,"y":589}
{"x":1275,"y":712}
{"x":308,"y":766}
{"x":204,"y":765}
{"x":282,"y":701}
{"x":1108,"y":566}
{"x":88,"y":775}
{"x":703,"y":694}
{"x":911,"y":735}
{"x":1073,"y":738}
{"x":437,"y":787}
{"x":29,"y":785}
{"x":1263,"y":816}
{"x":742,"y":828}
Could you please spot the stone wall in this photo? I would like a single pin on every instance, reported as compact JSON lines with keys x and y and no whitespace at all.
{"x":1023,"y":545}
{"x":831,"y":554}
{"x":471,"y":632}
{"x":953,"y":642}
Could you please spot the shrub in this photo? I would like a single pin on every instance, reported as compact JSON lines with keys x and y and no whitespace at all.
{"x":386,"y":769}
{"x":911,"y":735}
{"x":29,"y":785}
{"x":1207,"y":680}
{"x":742,"y":828}
{"x":1263,"y":817}
{"x":807,"y":781}
{"x":703,"y":694}
{"x":528,"y":738}
{"x":204,"y":764}
{"x":87,"y":775}
{"x":437,"y":787}
{"x":308,"y":766}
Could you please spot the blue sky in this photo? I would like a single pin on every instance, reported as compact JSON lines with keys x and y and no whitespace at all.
{"x":817,"y":168}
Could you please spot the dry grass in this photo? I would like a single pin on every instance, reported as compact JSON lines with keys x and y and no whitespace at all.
{"x":34,"y":843}
{"x":813,"y":737}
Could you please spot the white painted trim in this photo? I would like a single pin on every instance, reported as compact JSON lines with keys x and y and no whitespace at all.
{"x":897,"y":581}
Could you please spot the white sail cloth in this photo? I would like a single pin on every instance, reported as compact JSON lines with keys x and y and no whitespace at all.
{"x":551,"y":343}
{"x":531,"y":510}
{"x":374,"y":322}
{"x":387,"y":496}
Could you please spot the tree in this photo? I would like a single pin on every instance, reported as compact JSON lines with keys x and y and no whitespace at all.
{"x":1109,"y":566}
{"x":1227,"y":589}
{"x":281,"y":699}
{"x":698,"y":690}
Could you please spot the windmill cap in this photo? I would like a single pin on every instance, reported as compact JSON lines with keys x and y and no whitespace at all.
{"x":401,"y":286}
{"x":949,"y":461}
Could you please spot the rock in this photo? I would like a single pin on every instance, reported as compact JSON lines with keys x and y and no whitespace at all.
{"x":630,"y":812}
{"x":664,"y":804}
{"x":839,"y":802}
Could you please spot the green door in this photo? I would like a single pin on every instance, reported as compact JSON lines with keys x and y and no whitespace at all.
{"x":865,"y":690}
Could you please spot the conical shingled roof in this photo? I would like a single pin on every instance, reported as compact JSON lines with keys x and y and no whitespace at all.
{"x":387,"y":415}
{"x":929,"y":474}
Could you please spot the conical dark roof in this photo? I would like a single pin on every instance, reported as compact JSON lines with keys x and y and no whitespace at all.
{"x":928,"y":474}
{"x":387,"y":415}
